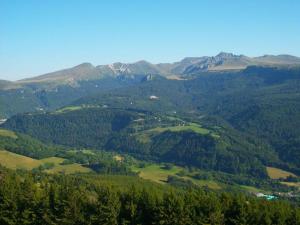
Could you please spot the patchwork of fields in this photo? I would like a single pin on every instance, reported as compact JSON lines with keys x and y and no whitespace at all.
{"x":15,"y":161}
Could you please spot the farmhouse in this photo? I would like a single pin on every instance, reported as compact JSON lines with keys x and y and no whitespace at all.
{"x":153,"y":97}
{"x":268,"y":197}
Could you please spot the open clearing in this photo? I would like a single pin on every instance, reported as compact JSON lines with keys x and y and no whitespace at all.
{"x":145,"y":136}
{"x":74,"y":108}
{"x":15,"y":161}
{"x":191,"y":126}
{"x":275,"y":173}
{"x":118,"y":158}
{"x":68,"y":109}
{"x":8,"y":133}
{"x":157,"y":173}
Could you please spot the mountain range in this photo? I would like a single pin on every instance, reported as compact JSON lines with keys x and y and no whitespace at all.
{"x":53,"y":90}
{"x":178,"y":70}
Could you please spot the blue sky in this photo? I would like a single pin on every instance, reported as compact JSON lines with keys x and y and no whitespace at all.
{"x":39,"y":36}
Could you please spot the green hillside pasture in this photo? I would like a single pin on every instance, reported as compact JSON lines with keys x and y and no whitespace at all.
{"x":74,"y":108}
{"x":16,"y":161}
{"x":156,"y":173}
{"x":191,"y":126}
{"x":146,"y":135}
{"x":67,"y":169}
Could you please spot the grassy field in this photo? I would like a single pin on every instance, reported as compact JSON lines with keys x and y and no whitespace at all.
{"x":158,"y":174}
{"x":253,"y":189}
{"x":54,"y":160}
{"x":68,"y":109}
{"x":155,"y":172}
{"x":191,"y":126}
{"x":275,"y":173}
{"x":16,"y":161}
{"x":8,"y":133}
{"x":69,"y":169}
{"x":145,"y":136}
{"x":292,"y":184}
{"x":88,"y":152}
{"x":74,"y":108}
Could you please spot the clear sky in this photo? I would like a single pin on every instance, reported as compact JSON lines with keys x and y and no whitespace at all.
{"x":39,"y":36}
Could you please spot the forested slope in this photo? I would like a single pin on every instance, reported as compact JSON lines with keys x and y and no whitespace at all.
{"x":150,"y":136}
{"x":60,"y":199}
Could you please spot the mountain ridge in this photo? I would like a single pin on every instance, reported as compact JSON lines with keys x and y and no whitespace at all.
{"x":190,"y":65}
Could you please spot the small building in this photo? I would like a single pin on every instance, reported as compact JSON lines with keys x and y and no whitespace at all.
{"x":268,"y":197}
{"x":153,"y":97}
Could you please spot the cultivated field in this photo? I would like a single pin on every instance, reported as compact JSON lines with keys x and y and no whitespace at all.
{"x":275,"y":173}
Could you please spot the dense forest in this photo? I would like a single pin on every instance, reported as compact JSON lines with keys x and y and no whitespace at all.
{"x":57,"y":199}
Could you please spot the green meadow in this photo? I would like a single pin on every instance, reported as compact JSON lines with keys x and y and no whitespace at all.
{"x":159,"y":174}
{"x":15,"y":161}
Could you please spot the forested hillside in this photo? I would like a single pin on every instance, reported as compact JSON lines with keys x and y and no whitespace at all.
{"x":36,"y":97}
{"x":151,"y":136}
{"x":60,"y":199}
{"x":260,"y":102}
